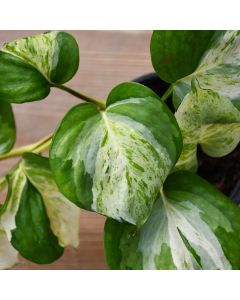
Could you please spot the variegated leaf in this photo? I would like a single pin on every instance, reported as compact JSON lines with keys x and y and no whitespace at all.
{"x":192,"y":226}
{"x":36,"y":217}
{"x":7,"y":128}
{"x":24,"y":219}
{"x":64,"y":216}
{"x":209,"y":119}
{"x":176,"y":53}
{"x":8,"y":255}
{"x":219,"y":69}
{"x":30,"y":66}
{"x":114,"y":161}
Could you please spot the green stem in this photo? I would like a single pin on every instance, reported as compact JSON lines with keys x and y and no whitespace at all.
{"x":168,"y":92}
{"x":3,"y":182}
{"x":37,"y":147}
{"x":80,"y":95}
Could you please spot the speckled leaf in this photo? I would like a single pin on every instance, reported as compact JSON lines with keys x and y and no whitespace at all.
{"x":192,"y":226}
{"x":114,"y":161}
{"x":8,"y":255}
{"x":30,"y":66}
{"x":64,"y":215}
{"x":7,"y":128}
{"x":219,"y":69}
{"x":176,"y":53}
{"x":26,"y":223}
{"x":208,"y":119}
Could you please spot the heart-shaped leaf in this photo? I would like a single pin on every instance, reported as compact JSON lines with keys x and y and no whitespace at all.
{"x":30,"y":66}
{"x":176,"y":53}
{"x":37,"y":219}
{"x":209,"y":119}
{"x":114,"y":161}
{"x":192,"y":226}
{"x":219,"y":69}
{"x":7,"y":128}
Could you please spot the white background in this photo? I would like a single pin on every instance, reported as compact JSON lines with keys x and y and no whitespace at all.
{"x":122,"y":14}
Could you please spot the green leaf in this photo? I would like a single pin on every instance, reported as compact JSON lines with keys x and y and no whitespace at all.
{"x":30,"y":66}
{"x":219,"y":69}
{"x":127,"y":90}
{"x":114,"y":161}
{"x":8,"y":255}
{"x":26,"y":223}
{"x":192,"y":226}
{"x":7,"y":128}
{"x":176,"y":53}
{"x":64,"y":216}
{"x":209,"y":119}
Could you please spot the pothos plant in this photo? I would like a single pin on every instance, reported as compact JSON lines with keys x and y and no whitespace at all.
{"x":129,"y":158}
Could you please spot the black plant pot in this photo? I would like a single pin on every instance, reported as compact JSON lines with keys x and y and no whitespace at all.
{"x":222,"y":172}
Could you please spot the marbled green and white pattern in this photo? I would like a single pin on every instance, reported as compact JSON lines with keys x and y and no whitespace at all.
{"x":8,"y":255}
{"x":37,"y":50}
{"x":192,"y":226}
{"x":219,"y":69}
{"x":114,"y":162}
{"x":209,"y":119}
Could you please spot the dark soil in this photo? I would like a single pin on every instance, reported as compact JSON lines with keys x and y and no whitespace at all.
{"x":222,"y":172}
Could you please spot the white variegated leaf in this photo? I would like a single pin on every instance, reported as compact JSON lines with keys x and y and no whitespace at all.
{"x":64,"y":216}
{"x":192,"y":226}
{"x":219,"y":69}
{"x":209,"y":119}
{"x":37,"y":50}
{"x":114,"y":162}
{"x":30,"y":66}
{"x":52,"y":54}
{"x":37,"y":219}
